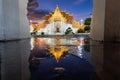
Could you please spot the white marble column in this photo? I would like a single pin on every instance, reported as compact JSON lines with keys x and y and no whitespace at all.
{"x":13,"y":20}
{"x":1,"y":21}
{"x":98,"y":20}
{"x":106,"y":20}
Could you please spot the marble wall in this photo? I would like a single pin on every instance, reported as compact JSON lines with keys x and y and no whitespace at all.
{"x":106,"y":60}
{"x":98,"y":20}
{"x":14,"y":60}
{"x":1,"y":19}
{"x":13,"y":20}
{"x":106,"y":20}
{"x":112,"y":20}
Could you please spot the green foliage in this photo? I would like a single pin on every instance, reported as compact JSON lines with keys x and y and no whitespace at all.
{"x":87,"y":46}
{"x":69,"y":31}
{"x":87,"y":28}
{"x":34,"y":32}
{"x":88,"y":21}
{"x":87,"y":41}
{"x":65,"y":53}
{"x":42,"y":33}
{"x":80,"y":31}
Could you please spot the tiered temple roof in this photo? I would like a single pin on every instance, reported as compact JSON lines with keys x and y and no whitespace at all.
{"x":58,"y":15}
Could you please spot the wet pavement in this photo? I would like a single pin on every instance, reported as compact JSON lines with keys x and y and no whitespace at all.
{"x":59,"y":58}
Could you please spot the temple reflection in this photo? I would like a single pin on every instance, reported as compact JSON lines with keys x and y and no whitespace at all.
{"x":58,"y":47}
{"x":58,"y":52}
{"x":59,"y":59}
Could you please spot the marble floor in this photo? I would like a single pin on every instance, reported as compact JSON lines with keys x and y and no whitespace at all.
{"x":59,"y":59}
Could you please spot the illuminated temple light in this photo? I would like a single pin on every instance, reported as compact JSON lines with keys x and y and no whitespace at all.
{"x":79,"y":42}
{"x":79,"y":52}
{"x":57,"y":52}
{"x":81,"y":22}
{"x":57,"y":22}
{"x":39,"y":42}
{"x":31,"y":43}
{"x":57,"y":16}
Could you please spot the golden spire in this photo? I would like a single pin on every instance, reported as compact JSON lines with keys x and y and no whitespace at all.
{"x":57,"y":9}
{"x":57,"y":15}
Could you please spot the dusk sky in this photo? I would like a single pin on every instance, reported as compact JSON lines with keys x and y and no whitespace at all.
{"x":80,"y":9}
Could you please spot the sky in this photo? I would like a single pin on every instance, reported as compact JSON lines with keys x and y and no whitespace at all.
{"x":79,"y":9}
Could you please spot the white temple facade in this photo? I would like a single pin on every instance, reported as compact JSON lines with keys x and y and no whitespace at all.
{"x":57,"y":28}
{"x":57,"y":23}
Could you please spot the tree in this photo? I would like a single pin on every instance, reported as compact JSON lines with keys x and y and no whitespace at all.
{"x":87,"y":47}
{"x":34,"y":31}
{"x":87,"y":28}
{"x":80,"y":31}
{"x":42,"y":33}
{"x":87,"y":21}
{"x":69,"y":31}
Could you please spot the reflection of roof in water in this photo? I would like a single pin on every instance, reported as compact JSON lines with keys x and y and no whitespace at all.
{"x":57,"y":52}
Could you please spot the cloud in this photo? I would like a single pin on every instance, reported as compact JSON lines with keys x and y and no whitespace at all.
{"x":78,"y":2}
{"x":42,"y":13}
{"x":34,"y":13}
{"x":38,"y":14}
{"x":32,"y":4}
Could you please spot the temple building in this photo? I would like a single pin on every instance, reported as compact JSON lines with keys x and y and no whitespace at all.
{"x":57,"y":23}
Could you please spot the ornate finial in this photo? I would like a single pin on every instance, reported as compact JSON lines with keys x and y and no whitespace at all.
{"x":57,"y":6}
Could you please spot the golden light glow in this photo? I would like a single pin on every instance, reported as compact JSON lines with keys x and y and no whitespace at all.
{"x":82,"y":26}
{"x":31,"y":28}
{"x":34,"y":26}
{"x":78,"y":42}
{"x":82,"y":42}
{"x":39,"y":42}
{"x":57,"y":16}
{"x":77,"y":25}
{"x":57,"y":52}
{"x":42,"y":25}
